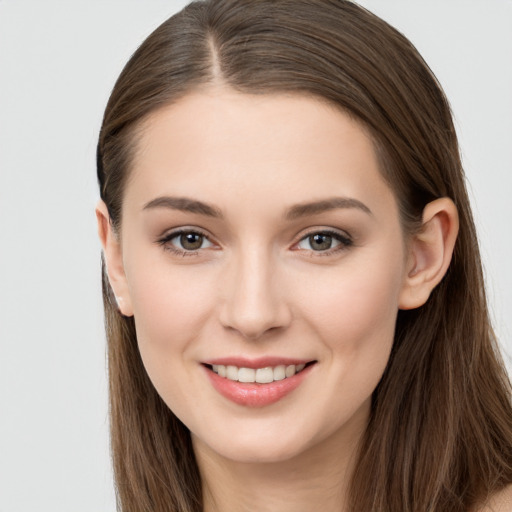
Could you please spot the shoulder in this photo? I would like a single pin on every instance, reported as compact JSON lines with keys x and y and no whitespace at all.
{"x":498,"y":502}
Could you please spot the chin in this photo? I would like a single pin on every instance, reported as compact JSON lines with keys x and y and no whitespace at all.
{"x":250,"y":447}
{"x":258,"y":454}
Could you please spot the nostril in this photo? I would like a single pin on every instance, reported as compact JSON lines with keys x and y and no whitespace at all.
{"x":252,"y":332}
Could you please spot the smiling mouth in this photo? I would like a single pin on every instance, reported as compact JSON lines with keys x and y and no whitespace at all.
{"x":264,"y":375}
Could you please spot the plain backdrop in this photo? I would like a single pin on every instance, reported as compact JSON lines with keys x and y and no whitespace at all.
{"x":58,"y":63}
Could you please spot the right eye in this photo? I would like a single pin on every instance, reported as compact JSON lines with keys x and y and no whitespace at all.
{"x":185,"y":242}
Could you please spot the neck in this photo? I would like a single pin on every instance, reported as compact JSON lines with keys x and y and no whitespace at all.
{"x":316,"y":479}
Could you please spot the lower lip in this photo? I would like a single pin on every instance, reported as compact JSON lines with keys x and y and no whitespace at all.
{"x":256,"y":395}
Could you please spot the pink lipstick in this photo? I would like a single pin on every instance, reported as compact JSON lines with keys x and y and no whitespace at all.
{"x":256,"y":382}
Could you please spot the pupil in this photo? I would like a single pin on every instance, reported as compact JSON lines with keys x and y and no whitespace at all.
{"x":191,"y":241}
{"x":320,"y":242}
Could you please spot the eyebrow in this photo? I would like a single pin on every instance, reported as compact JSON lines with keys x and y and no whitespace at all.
{"x":185,"y":205}
{"x":313,"y":208}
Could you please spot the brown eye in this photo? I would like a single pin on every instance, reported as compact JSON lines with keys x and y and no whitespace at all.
{"x":320,"y":241}
{"x":324,"y":241}
{"x":184,"y":242}
{"x":191,"y":241}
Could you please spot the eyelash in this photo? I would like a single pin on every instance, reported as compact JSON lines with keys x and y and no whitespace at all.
{"x":344,"y":242}
{"x":167,"y":246}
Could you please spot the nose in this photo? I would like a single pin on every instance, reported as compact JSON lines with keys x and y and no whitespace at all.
{"x":254,"y":302}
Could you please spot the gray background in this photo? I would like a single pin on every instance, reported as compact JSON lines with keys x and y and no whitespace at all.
{"x":58,"y":62}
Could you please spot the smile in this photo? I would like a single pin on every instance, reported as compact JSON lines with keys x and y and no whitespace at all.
{"x":259,"y":375}
{"x":257,"y":384}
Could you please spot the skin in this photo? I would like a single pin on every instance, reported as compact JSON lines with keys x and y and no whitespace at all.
{"x":500,"y":502}
{"x":257,"y":286}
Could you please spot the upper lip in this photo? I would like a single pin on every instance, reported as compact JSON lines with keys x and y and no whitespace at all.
{"x":260,"y":362}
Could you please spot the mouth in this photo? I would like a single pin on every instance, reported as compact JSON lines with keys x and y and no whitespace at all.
{"x":254,"y":384}
{"x":265,"y":375}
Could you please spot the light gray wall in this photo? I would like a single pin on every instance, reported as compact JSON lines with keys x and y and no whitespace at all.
{"x":58,"y":62}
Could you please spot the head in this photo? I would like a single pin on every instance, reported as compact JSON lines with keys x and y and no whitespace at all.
{"x":375,"y":112}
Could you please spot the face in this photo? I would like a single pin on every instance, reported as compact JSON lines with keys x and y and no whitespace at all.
{"x":260,"y":243}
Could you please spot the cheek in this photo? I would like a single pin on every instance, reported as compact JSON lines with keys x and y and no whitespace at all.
{"x":171,"y":306}
{"x":356,"y":303}
{"x":169,"y":302}
{"x":353,"y":315}
{"x":353,"y":310}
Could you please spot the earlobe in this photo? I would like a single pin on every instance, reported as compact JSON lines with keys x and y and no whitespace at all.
{"x":113,"y":259}
{"x":430,"y":252}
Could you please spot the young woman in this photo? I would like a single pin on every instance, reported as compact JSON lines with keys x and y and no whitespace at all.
{"x":294,"y":301}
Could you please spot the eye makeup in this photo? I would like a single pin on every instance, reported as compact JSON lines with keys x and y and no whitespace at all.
{"x":324,"y":242}
{"x":192,"y":240}
{"x":318,"y":242}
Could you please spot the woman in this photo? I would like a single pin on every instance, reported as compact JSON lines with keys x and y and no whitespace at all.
{"x":292,"y":286}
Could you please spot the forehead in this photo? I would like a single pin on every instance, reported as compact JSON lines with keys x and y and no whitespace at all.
{"x":218,"y":142}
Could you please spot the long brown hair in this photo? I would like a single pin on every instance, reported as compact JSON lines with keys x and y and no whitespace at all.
{"x":440,"y":432}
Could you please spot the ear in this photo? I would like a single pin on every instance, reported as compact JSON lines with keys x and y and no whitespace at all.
{"x":113,"y":259}
{"x":430,"y":252}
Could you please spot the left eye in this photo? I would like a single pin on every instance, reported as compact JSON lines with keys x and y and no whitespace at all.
{"x":189,"y":241}
{"x":323,"y":241}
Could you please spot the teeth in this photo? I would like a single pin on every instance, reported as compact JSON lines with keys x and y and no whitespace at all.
{"x":264,"y":375}
{"x":279,"y":372}
{"x":290,"y":370}
{"x":260,"y":375}
{"x":246,"y":375}
{"x":232,"y":372}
